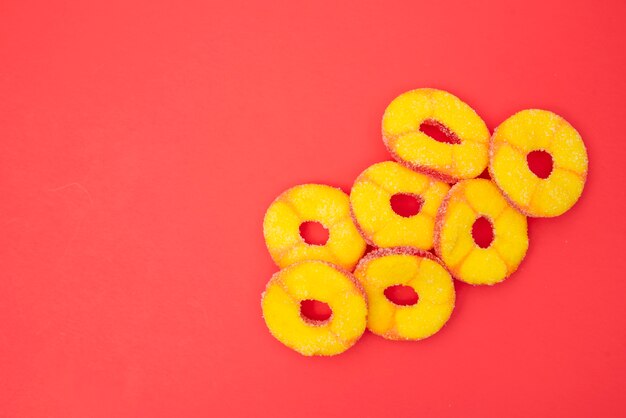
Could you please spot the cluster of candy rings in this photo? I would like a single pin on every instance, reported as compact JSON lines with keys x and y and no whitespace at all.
{"x":442,"y":177}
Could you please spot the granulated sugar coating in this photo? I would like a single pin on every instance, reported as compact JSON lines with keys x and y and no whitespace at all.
{"x":418,"y":269}
{"x":436,"y":216}
{"x":370,"y":201}
{"x":538,"y":130}
{"x":312,"y":202}
{"x":321,"y":281}
{"x":450,"y":162}
{"x":467,"y":201}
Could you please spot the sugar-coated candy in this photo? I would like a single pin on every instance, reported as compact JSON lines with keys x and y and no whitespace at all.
{"x":418,"y":269}
{"x":319,"y":281}
{"x":380,"y":225}
{"x":404,"y":118}
{"x":466,"y":202}
{"x":538,"y":130}
{"x":318,"y":203}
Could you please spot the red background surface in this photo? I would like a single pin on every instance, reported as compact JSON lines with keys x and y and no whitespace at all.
{"x":141,"y":142}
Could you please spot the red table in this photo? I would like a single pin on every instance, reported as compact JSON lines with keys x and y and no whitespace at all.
{"x":141,"y":142}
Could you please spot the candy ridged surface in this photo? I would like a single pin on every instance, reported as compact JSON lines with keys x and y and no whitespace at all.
{"x":450,"y":162}
{"x":467,"y":201}
{"x":321,"y":281}
{"x":370,"y":200}
{"x":319,"y":203}
{"x":407,"y":267}
{"x":538,"y":130}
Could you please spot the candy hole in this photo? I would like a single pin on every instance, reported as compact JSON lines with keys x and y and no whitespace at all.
{"x":406,"y":205}
{"x":315,"y":310}
{"x":313,"y":233}
{"x":439,"y":132}
{"x":540,"y":163}
{"x":482,"y":232}
{"x":401,"y":295}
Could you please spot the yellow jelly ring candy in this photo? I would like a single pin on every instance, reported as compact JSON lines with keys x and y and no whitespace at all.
{"x":317,"y":203}
{"x":466,"y":203}
{"x":406,"y":116}
{"x":380,"y":225}
{"x":319,"y":281}
{"x":531,"y":131}
{"x":384,"y":269}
